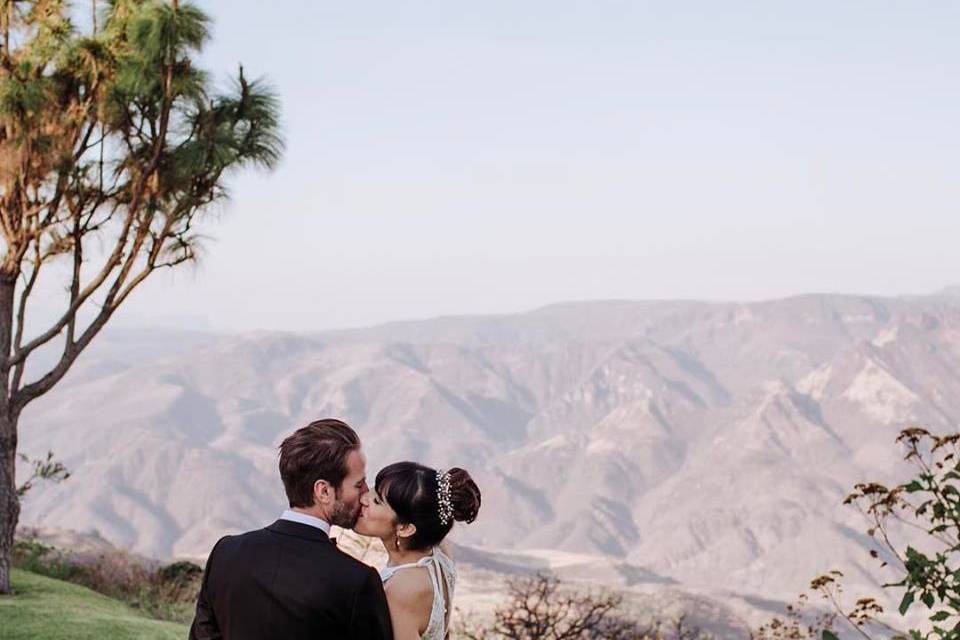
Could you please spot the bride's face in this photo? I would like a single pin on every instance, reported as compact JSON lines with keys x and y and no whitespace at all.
{"x":377,"y":519}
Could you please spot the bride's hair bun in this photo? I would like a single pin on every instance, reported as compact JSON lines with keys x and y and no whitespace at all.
{"x":464,"y":495}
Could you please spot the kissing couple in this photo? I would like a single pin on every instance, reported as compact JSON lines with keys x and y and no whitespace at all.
{"x":290,"y":581}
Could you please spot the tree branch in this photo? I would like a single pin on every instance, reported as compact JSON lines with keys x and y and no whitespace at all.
{"x":75,"y":276}
{"x":111,"y":263}
{"x":21,"y":316}
{"x":120,"y":289}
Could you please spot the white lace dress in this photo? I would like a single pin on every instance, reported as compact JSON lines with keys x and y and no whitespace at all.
{"x":443,"y":576}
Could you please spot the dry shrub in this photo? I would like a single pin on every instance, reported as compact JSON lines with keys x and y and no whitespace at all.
{"x":166,"y":592}
{"x":542,"y":608}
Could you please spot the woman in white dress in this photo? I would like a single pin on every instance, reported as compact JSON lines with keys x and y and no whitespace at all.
{"x":412,"y":509}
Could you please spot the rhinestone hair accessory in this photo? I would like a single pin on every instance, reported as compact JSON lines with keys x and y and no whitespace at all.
{"x":443,"y":497}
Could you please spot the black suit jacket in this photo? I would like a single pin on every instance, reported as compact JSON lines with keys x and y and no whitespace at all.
{"x":288,"y":581}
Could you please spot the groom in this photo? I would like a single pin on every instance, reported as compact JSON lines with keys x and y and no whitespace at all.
{"x":289,"y":580}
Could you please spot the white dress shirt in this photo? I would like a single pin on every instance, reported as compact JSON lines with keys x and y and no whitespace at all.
{"x":302,"y":518}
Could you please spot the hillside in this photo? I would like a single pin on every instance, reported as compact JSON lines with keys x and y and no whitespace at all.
{"x":53,"y":610}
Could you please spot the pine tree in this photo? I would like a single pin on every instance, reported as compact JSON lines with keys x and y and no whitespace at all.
{"x":113,"y":146}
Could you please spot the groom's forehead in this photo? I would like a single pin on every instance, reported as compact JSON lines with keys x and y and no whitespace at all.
{"x":357,"y":462}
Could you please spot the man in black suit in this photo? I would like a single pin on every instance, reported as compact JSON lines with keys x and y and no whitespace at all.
{"x":289,"y":580}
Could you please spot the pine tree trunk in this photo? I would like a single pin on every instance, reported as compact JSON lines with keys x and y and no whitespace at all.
{"x":9,"y":501}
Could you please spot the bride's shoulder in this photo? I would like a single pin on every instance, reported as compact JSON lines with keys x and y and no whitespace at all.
{"x":410,"y":587}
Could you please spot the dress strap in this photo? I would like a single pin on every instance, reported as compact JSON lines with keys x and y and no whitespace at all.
{"x":387,"y":572}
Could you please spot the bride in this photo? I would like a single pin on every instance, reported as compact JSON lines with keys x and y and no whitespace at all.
{"x":412,"y":509}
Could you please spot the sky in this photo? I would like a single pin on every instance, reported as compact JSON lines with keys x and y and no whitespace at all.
{"x":494,"y":157}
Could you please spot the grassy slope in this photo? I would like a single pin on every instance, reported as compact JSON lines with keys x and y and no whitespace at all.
{"x":55,"y":610}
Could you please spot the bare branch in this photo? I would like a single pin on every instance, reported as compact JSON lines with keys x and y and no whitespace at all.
{"x":22,"y":313}
{"x":119,"y":290}
{"x":114,"y":259}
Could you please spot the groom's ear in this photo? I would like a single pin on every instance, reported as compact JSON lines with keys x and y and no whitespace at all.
{"x":324,"y":493}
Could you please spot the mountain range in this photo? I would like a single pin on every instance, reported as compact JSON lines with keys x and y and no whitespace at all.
{"x":706,"y":445}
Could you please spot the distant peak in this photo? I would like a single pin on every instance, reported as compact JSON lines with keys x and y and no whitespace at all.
{"x":952,"y":291}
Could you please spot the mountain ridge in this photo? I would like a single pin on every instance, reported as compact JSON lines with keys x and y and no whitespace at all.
{"x":707,"y":443}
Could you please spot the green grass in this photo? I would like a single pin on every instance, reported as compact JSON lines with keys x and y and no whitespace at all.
{"x":55,"y":610}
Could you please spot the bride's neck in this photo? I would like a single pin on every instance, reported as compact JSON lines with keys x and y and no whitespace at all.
{"x":402,"y":556}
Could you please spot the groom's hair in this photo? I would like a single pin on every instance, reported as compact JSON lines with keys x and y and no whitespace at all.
{"x":317,"y":451}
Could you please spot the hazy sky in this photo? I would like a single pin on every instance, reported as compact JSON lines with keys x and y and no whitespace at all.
{"x":464,"y":157}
